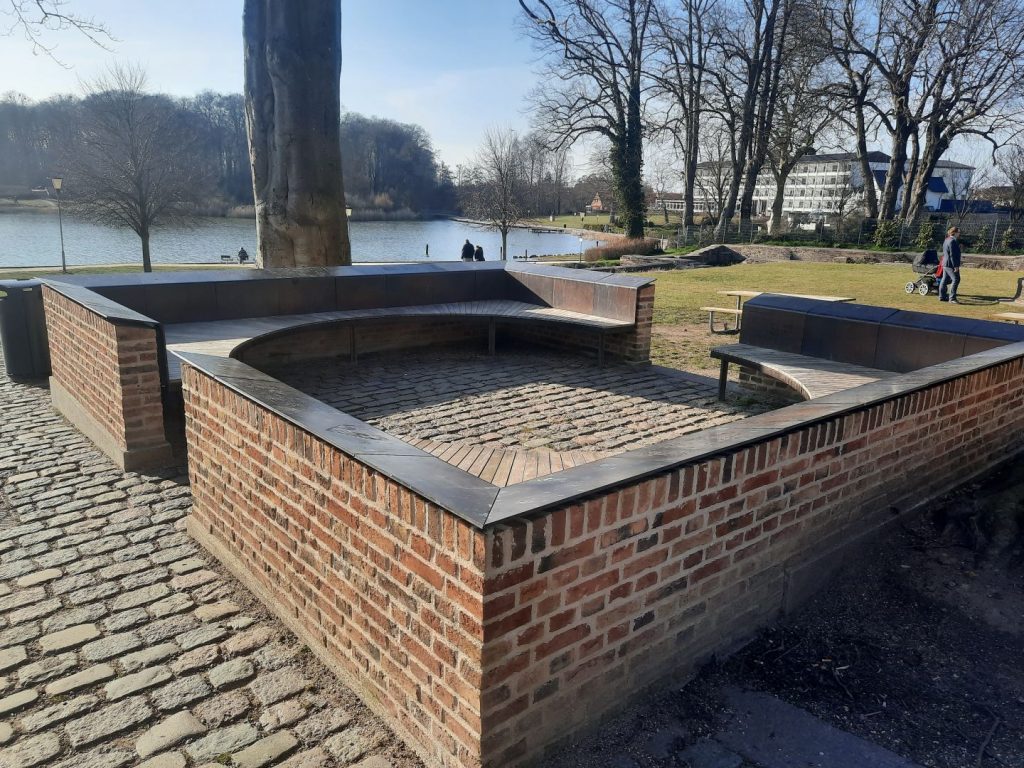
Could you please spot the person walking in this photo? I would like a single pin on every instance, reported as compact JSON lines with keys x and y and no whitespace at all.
{"x":467,"y":251}
{"x":950,"y":266}
{"x":478,"y":254}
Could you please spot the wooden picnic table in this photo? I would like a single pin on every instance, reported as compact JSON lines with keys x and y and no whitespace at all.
{"x":737,"y":313}
{"x":741,"y":295}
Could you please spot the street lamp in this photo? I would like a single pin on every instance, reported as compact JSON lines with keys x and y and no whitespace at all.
{"x":581,"y":250}
{"x":58,"y":182}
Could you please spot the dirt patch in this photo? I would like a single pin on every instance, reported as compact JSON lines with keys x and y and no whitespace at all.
{"x":917,"y":648}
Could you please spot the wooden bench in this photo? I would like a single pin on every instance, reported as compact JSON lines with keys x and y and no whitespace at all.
{"x":1011,"y":317}
{"x":810,"y":376}
{"x":737,"y":313}
{"x":222,"y":337}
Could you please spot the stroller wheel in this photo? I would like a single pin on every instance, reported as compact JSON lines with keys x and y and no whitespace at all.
{"x":910,"y":287}
{"x":924,"y":289}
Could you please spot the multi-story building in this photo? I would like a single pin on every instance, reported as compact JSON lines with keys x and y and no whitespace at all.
{"x":819,"y":186}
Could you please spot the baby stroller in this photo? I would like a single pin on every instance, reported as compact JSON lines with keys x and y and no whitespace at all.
{"x":930,"y":270}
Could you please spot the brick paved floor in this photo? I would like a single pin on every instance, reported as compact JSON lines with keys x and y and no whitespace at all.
{"x":520,"y":414}
{"x":123,"y":644}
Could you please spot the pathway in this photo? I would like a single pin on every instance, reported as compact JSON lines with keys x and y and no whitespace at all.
{"x":122,"y":643}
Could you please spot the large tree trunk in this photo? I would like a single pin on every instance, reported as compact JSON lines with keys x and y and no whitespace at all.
{"x":293,"y":115}
{"x":870,"y":197}
{"x":897,"y":167}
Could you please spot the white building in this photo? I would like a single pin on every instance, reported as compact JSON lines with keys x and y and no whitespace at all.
{"x":819,"y":186}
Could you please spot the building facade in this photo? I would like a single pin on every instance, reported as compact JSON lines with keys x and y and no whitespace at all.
{"x":820,"y":185}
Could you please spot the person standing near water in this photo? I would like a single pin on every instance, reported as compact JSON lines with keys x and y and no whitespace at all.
{"x":478,"y":254}
{"x":467,"y":251}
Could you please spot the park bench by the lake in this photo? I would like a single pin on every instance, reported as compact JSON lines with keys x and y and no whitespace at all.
{"x":737,"y":312}
{"x":803,"y":348}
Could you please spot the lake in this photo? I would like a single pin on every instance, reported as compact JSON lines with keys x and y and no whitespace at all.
{"x":33,"y":240}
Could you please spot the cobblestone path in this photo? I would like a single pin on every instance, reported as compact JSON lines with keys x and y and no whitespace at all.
{"x":520,"y":415}
{"x":123,"y":644}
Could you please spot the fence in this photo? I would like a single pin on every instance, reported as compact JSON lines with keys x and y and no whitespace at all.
{"x":981,"y":233}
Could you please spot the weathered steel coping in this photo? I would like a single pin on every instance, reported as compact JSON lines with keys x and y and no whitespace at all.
{"x":483,"y":504}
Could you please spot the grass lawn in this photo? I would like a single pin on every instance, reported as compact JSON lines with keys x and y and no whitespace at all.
{"x":681,"y":336}
{"x":570,"y":221}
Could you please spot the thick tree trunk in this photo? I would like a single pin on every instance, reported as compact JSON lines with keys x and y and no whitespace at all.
{"x":780,"y":194}
{"x":293,"y":114}
{"x":894,"y":178}
{"x":934,"y":148}
{"x":870,"y":196}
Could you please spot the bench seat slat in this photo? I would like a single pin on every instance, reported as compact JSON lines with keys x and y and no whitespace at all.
{"x":811,"y":376}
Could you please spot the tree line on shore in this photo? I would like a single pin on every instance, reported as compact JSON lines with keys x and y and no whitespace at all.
{"x":751,"y":85}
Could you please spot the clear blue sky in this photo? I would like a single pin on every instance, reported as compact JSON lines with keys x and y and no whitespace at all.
{"x":453,"y":66}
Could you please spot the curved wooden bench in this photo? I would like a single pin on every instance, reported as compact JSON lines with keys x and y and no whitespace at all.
{"x":811,"y":377}
{"x":223,"y":337}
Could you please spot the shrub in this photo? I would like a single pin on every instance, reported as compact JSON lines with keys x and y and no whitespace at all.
{"x":887,"y":234}
{"x":617,"y":248}
{"x":1009,"y":240}
{"x":925,"y":236}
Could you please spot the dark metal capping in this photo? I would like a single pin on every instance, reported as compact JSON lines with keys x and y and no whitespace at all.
{"x":481,"y":503}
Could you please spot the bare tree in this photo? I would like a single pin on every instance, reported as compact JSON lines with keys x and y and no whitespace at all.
{"x":967,"y":191}
{"x":596,"y":55}
{"x":662,"y":173}
{"x":133,"y":162}
{"x":34,"y":18}
{"x":859,"y":91}
{"x":684,"y":41}
{"x":978,"y":64}
{"x":805,"y":108}
{"x":717,"y":151}
{"x":747,"y":80}
{"x":293,"y":112}
{"x":497,"y":199}
{"x":1010,"y":162}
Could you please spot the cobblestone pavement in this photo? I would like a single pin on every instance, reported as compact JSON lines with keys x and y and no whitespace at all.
{"x":123,"y":644}
{"x":521,"y":414}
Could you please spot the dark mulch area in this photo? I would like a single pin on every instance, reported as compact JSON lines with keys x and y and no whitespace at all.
{"x":918,"y":647}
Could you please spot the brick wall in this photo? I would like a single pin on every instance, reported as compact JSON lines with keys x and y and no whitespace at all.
{"x":326,"y":341}
{"x":767,"y":387}
{"x":381,"y":583}
{"x":111,"y":373}
{"x":590,"y":603}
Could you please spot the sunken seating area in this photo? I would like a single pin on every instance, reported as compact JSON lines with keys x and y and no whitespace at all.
{"x":113,"y":337}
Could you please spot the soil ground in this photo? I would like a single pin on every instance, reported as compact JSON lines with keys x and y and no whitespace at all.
{"x":917,"y":647}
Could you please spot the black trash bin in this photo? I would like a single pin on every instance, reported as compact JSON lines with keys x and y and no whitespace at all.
{"x":23,"y":329}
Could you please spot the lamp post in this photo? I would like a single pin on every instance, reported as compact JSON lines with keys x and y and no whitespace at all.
{"x":58,"y":182}
{"x":581,"y":251}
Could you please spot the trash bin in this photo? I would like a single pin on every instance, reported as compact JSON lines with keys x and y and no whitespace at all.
{"x":23,"y":329}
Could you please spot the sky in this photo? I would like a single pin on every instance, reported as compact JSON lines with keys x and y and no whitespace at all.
{"x":455,"y":67}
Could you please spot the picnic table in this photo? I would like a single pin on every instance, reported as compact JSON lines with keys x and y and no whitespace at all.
{"x":740,"y":296}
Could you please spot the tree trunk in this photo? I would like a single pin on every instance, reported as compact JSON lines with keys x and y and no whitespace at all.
{"x":870,"y":197}
{"x":780,"y":194}
{"x":293,"y":114}
{"x":147,"y":264}
{"x":504,"y":243}
{"x":894,"y":178}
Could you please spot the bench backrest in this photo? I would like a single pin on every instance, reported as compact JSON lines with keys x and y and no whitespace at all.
{"x":875,"y":337}
{"x":205,"y":298}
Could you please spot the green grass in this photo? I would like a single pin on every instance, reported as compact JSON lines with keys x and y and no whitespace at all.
{"x":682,"y":339}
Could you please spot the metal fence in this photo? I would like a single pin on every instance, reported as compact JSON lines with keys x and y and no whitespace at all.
{"x":982,"y":233}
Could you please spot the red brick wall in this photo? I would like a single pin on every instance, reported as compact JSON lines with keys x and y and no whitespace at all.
{"x":384,"y":584}
{"x":319,"y":342}
{"x":589,"y":603}
{"x":110,"y":370}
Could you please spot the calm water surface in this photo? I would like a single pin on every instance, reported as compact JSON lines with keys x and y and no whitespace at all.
{"x":33,"y":240}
